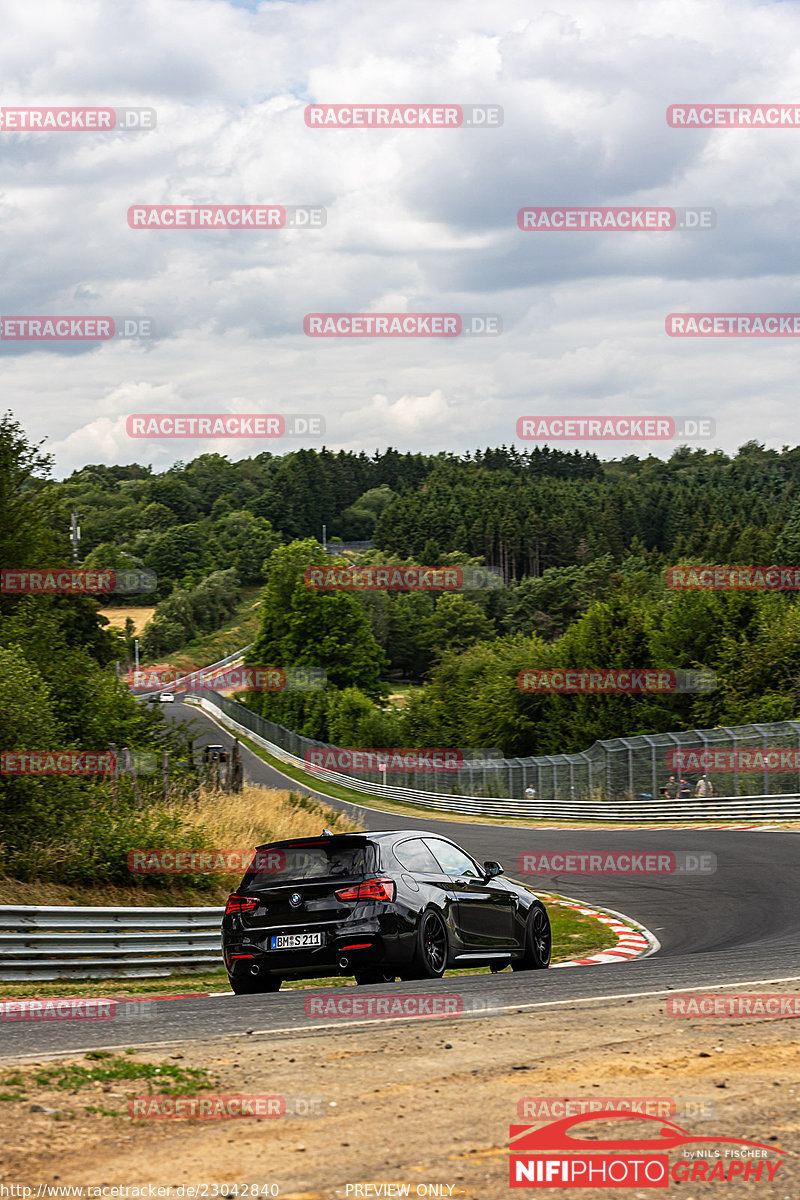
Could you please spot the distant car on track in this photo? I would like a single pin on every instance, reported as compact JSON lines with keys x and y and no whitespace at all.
{"x":167,"y":698}
{"x":376,"y":905}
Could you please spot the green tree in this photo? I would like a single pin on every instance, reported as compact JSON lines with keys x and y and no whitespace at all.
{"x":787,"y":547}
{"x":548,"y":604}
{"x":283,"y":569}
{"x":330,"y":630}
{"x":409,"y":643}
{"x":358,"y":521}
{"x":178,"y":552}
{"x":245,"y":542}
{"x":348,"y":710}
{"x":457,"y":623}
{"x":30,"y":529}
{"x":157,"y":517}
{"x":303,"y":626}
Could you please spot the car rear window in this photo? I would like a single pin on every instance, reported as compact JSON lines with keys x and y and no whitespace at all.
{"x":316,"y":860}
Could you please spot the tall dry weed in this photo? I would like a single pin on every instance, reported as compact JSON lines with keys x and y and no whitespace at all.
{"x":258,"y":814}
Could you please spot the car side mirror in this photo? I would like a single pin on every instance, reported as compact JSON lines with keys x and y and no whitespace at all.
{"x":491,"y":869}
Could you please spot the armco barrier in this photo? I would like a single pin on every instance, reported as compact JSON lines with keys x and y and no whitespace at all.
{"x":231,"y":660}
{"x":719,"y":808}
{"x":42,"y":942}
{"x":739,"y":762}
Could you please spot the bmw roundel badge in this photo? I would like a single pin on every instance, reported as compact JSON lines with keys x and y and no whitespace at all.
{"x":295,"y":899}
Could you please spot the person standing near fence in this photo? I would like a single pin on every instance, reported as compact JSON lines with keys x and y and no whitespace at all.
{"x":704,"y":788}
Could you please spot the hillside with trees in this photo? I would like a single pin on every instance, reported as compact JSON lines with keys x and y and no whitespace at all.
{"x":579,"y":547}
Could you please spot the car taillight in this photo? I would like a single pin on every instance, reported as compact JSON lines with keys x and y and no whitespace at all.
{"x":371,"y":889}
{"x":241,"y":904}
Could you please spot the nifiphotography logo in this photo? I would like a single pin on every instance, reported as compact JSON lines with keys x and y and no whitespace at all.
{"x":552,"y":1157}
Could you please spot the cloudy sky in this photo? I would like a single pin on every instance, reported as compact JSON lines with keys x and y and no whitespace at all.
{"x":418,"y":220}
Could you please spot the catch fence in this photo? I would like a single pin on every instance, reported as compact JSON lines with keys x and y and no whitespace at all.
{"x":756,"y":764}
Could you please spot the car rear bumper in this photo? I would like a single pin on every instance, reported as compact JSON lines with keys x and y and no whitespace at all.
{"x":347,"y":949}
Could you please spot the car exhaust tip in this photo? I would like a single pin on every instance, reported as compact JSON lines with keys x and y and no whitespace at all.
{"x":255,"y":969}
{"x":344,"y":963}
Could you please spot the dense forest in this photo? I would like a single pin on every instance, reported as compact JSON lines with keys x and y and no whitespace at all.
{"x":579,"y":547}
{"x":520,"y":512}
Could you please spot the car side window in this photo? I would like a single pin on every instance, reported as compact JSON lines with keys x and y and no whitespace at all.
{"x":453,"y":861}
{"x":415,"y":856}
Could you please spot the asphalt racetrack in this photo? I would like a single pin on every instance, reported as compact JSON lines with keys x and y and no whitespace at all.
{"x":737,"y":926}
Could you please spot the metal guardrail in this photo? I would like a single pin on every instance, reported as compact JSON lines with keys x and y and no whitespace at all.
{"x":231,"y":660}
{"x":718,"y":808}
{"x":739,"y":761}
{"x":43,"y":942}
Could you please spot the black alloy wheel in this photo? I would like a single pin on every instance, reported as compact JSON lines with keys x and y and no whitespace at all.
{"x":430,"y":959}
{"x":538,"y":941}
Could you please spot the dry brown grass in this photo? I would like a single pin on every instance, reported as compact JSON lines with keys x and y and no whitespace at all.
{"x":105,"y":895}
{"x":258,"y":814}
{"x":229,"y":822}
{"x":118,"y":616}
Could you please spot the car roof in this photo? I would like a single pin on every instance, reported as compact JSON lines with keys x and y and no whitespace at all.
{"x":356,"y":835}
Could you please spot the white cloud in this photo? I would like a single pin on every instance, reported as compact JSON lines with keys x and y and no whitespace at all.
{"x":420,"y":220}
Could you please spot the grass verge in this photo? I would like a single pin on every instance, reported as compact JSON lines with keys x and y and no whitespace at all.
{"x":93,"y":1079}
{"x":239,"y":631}
{"x":226,"y":821}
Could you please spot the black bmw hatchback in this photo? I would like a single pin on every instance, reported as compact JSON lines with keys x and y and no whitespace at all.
{"x":376,"y":906}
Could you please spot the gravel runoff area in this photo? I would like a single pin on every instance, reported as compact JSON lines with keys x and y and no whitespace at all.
{"x":412,"y":1102}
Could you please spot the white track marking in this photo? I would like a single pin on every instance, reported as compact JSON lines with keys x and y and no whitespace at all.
{"x":290,"y":1031}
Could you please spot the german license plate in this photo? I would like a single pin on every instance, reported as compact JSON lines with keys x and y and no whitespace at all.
{"x":295,"y":941}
